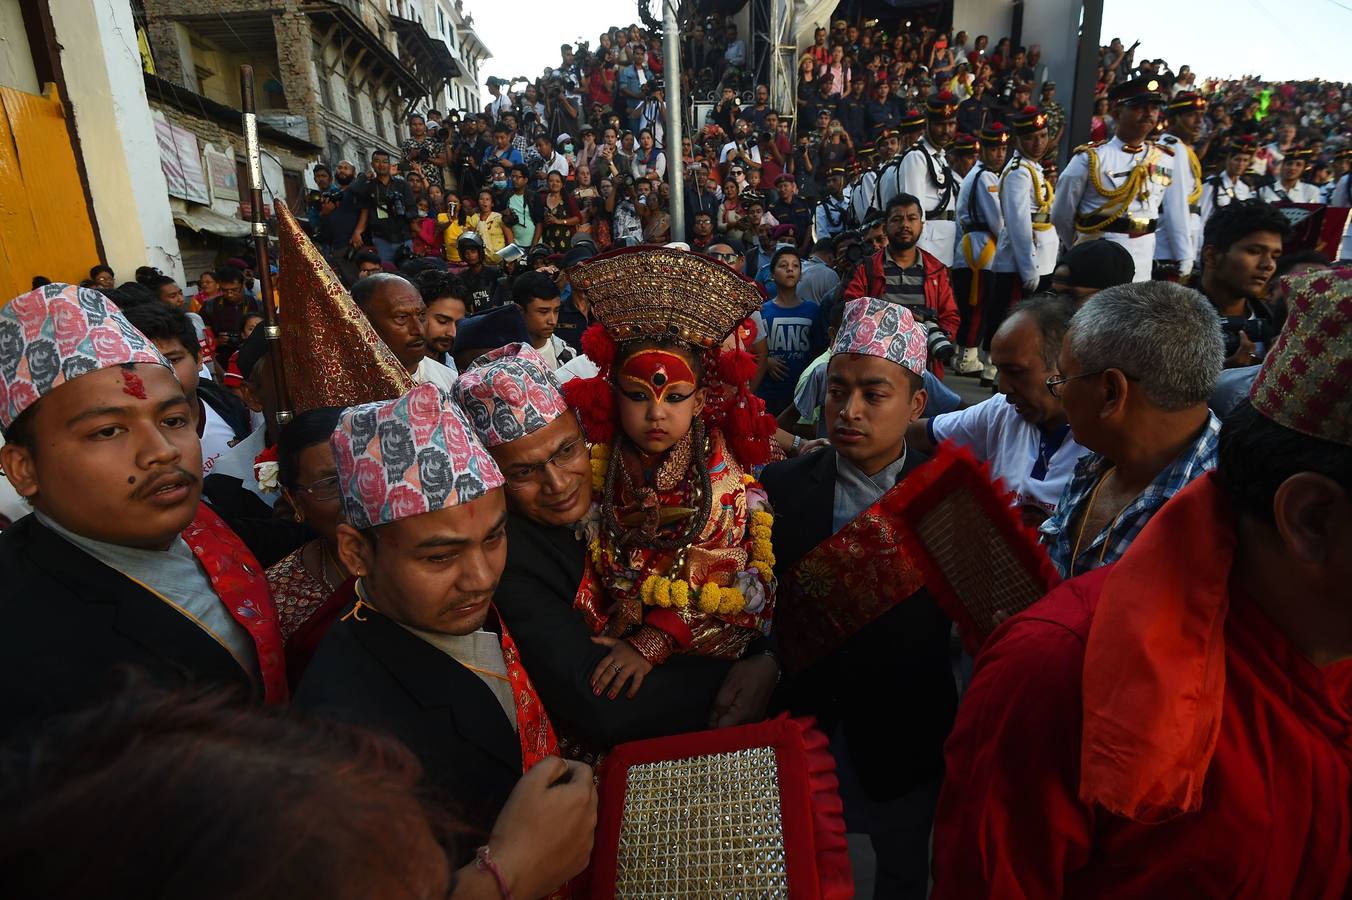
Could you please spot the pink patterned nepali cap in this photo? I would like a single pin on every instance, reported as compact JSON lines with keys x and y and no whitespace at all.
{"x":873,"y":327}
{"x":1306,"y":380}
{"x":405,"y":457}
{"x":56,"y":334}
{"x":508,"y":394}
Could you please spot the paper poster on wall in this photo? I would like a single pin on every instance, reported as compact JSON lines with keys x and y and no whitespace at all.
{"x":180,"y":162}
{"x":221,"y":174}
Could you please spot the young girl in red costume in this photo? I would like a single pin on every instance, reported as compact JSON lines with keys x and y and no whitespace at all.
{"x":680,"y":532}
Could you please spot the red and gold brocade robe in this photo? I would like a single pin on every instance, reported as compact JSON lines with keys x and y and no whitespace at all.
{"x":721,"y":554}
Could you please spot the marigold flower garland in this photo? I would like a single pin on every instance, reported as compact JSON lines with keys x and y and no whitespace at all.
{"x":658,"y":590}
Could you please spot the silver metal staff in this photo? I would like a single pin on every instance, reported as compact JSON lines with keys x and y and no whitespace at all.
{"x":259,"y":226}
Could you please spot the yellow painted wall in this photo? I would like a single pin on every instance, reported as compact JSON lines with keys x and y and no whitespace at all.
{"x":44,"y":221}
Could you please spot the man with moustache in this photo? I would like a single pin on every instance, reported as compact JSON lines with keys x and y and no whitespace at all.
{"x":1115,"y":190}
{"x":398,"y":314}
{"x":447,"y":302}
{"x":119,"y":564}
{"x":830,"y":527}
{"x":904,"y":273}
{"x":549,"y":596}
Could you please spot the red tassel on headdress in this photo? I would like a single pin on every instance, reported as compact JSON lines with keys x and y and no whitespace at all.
{"x":594,"y":400}
{"x":736,"y":366}
{"x":748,"y":429}
{"x":741,"y":415}
{"x":598,"y":347}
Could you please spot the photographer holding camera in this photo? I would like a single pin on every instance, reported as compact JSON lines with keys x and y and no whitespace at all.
{"x":905,"y":274}
{"x":561,"y":107}
{"x":652,"y":112}
{"x":1240,"y":246}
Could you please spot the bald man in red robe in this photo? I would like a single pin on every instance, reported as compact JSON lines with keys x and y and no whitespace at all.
{"x":1179,"y":724}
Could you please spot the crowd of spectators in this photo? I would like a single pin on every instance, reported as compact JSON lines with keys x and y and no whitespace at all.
{"x":578,"y":154}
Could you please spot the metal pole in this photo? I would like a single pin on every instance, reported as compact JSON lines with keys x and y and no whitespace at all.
{"x":671,"y":75}
{"x":1086,"y":64}
{"x":259,"y":227}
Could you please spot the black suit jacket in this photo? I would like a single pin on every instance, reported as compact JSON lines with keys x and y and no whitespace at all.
{"x":890,"y":685}
{"x":71,"y":624}
{"x":535,"y":599}
{"x":377,"y":674}
{"x":269,"y":538}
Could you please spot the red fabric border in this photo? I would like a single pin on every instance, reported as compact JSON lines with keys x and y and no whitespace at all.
{"x":815,"y":853}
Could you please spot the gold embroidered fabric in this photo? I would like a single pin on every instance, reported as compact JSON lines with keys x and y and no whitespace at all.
{"x":331,"y":356}
{"x":663,"y":293}
{"x":705,"y":826}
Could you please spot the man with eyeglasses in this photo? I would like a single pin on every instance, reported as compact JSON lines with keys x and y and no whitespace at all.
{"x":1137,"y":367}
{"x":546,"y":595}
{"x":1022,"y":432}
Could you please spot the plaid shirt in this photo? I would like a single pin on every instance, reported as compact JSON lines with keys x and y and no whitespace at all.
{"x":1058,"y":534}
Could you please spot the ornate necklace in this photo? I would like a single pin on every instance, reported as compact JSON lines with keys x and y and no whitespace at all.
{"x":667,"y":478}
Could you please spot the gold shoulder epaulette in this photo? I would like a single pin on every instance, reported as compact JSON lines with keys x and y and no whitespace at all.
{"x":1163,"y":148}
{"x":1089,"y":146}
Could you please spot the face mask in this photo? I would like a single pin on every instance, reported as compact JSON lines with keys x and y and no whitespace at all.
{"x":500,"y":185}
{"x":567,"y":148}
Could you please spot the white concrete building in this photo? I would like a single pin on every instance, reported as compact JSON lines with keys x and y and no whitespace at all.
{"x":448,"y":21}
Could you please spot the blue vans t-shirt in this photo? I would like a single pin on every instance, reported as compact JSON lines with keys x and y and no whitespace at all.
{"x":796,"y":336}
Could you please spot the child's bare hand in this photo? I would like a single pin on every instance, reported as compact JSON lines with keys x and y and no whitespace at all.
{"x":623,"y":663}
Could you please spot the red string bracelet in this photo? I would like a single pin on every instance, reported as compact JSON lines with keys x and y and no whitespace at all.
{"x":484,"y":861}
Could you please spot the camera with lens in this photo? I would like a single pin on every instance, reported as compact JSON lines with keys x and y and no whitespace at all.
{"x":1259,"y":331}
{"x":936,"y":341}
{"x":850,"y":247}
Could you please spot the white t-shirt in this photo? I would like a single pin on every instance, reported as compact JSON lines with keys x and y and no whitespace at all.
{"x":1033,"y":465}
{"x":433,"y":371}
{"x":216,"y":437}
{"x":752,"y":151}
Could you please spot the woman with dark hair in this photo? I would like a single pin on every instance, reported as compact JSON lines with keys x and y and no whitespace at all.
{"x":561,"y":214}
{"x":309,"y":585}
{"x":1101,"y":124}
{"x":420,"y":153}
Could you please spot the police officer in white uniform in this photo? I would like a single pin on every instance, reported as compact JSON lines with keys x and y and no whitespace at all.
{"x":832,"y":209}
{"x":888,"y":182}
{"x":1225,"y":187}
{"x":1027,"y":253}
{"x":979,"y":225}
{"x":1186,"y":112}
{"x":864,"y":188}
{"x":1113,"y":190}
{"x":924,"y":173}
{"x":1288,"y":188}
